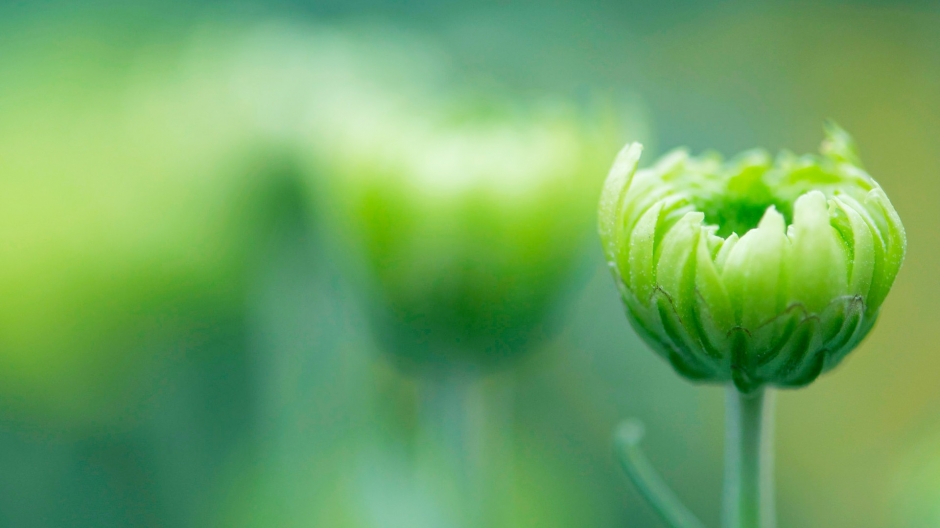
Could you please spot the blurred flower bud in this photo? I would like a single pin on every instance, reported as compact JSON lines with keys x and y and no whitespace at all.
{"x":469,"y":213}
{"x":751,"y":271}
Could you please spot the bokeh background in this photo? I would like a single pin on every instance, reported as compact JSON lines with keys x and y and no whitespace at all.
{"x":185,"y":334}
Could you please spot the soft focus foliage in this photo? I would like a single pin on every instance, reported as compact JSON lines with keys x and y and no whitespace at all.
{"x":187,"y":332}
{"x":751,"y":270}
{"x":135,"y":188}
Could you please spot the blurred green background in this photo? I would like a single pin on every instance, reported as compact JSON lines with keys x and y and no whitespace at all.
{"x":187,"y":326}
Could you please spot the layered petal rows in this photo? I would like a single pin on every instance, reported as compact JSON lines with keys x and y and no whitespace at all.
{"x":752,"y":270}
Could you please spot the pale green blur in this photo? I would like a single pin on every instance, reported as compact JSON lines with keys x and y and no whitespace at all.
{"x":186,"y":336}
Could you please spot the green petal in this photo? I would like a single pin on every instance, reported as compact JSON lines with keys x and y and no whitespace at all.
{"x":646,"y":322}
{"x":768,"y":342}
{"x":839,"y":145}
{"x":685,"y":352}
{"x":712,"y":315}
{"x":754,"y":269}
{"x":879,"y":244}
{"x":643,"y":193}
{"x":805,"y":355}
{"x":675,"y":269}
{"x":847,"y":312}
{"x":710,"y":288}
{"x":615,"y":187}
{"x":722,"y":257}
{"x":671,"y":163}
{"x":640,"y":262}
{"x":895,"y":245}
{"x":817,"y":258}
{"x":860,"y":248}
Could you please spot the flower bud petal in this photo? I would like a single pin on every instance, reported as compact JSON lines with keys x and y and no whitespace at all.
{"x":754,"y":270}
{"x":640,"y":247}
{"x":895,"y":240}
{"x":818,"y":271}
{"x":615,"y":187}
{"x":860,"y":247}
{"x":712,"y":307}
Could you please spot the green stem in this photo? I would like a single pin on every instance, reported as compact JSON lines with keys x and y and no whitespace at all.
{"x":647,"y":481}
{"x":452,"y":423}
{"x":749,"y":487}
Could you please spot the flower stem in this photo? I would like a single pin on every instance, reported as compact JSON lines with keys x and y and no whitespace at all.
{"x":648,"y":481}
{"x":452,"y":423}
{"x":749,"y":486}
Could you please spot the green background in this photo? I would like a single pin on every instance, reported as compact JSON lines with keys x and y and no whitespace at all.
{"x":181,"y":343}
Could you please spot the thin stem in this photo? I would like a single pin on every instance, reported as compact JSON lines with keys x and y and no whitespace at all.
{"x":647,"y":481}
{"x":452,"y":424}
{"x":749,"y":486}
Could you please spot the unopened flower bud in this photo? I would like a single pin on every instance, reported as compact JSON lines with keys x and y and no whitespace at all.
{"x":754,"y":270}
{"x":469,"y":213}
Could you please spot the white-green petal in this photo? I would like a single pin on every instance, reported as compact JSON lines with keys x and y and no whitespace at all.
{"x":640,"y":258}
{"x":817,"y":258}
{"x":711,"y":289}
{"x":862,"y":250}
{"x":725,"y":250}
{"x":754,"y":270}
{"x":675,"y":272}
{"x":895,"y":245}
{"x":615,"y":187}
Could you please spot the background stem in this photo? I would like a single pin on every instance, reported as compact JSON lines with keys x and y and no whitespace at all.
{"x":452,"y":424}
{"x":647,"y":480}
{"x":749,"y":487}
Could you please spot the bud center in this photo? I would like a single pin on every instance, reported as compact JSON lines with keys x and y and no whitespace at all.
{"x":736,"y":202}
{"x":739,"y":216}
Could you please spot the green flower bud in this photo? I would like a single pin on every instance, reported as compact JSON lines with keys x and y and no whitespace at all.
{"x":751,"y":270}
{"x":468,"y":212}
{"x":469,"y":230}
